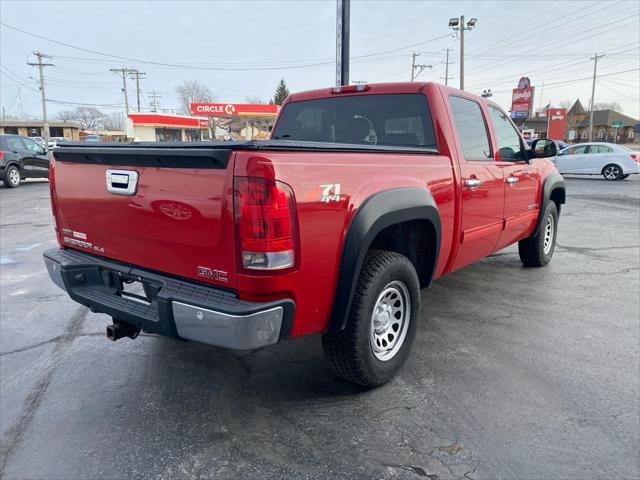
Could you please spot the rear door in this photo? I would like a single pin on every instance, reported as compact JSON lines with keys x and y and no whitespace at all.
{"x":482,"y":182}
{"x":166,"y":209}
{"x":521,"y":177}
{"x":597,"y":158}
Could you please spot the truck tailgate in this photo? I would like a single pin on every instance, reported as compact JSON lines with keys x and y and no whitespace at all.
{"x":175,"y":217}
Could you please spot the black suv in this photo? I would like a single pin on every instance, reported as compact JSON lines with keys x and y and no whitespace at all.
{"x":21,"y":157}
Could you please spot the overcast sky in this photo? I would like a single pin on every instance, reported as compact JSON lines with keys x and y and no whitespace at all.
{"x":243,"y":48}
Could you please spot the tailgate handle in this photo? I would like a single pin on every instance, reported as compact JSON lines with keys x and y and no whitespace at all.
{"x":122,"y":182}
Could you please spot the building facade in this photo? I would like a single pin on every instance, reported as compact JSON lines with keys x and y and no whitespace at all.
{"x":157,"y":127}
{"x":35,"y":128}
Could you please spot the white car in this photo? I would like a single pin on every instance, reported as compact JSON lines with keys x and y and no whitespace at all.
{"x":613,"y":162}
{"x":53,"y":141}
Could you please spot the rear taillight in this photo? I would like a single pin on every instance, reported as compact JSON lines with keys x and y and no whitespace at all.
{"x":1,"y":154}
{"x":635,"y":157}
{"x":265,"y":223}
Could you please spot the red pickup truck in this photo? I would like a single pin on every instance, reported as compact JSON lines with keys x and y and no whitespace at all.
{"x":363,"y":195}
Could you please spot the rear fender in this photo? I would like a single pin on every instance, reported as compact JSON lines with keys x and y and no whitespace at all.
{"x":381,"y":210}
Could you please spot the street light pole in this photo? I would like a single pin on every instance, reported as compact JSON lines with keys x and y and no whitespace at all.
{"x":342,"y":42}
{"x":458,"y":24}
{"x":461,"y":52}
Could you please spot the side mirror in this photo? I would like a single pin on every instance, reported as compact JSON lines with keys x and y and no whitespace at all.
{"x":543,"y":148}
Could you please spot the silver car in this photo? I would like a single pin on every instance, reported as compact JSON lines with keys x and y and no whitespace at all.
{"x":613,"y":162}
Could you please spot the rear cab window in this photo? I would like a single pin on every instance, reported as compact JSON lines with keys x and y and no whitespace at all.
{"x":386,"y":119}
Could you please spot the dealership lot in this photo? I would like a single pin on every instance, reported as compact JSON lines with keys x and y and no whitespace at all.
{"x":515,"y":373}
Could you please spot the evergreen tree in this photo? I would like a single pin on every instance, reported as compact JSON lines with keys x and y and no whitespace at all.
{"x":282,"y":92}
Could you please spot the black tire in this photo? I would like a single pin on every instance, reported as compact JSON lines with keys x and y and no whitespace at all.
{"x":612,"y":172}
{"x":350,"y":352}
{"x":12,"y":176}
{"x":624,"y":176}
{"x":532,"y":250}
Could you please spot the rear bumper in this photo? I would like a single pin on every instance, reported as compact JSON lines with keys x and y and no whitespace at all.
{"x":174,"y":308}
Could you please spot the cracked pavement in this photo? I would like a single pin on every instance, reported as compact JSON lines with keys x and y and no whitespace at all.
{"x":515,"y":374}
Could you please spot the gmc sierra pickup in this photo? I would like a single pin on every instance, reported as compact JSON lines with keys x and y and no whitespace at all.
{"x":363,"y":195}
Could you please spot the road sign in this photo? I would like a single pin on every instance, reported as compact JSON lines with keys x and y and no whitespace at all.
{"x":617,"y":124}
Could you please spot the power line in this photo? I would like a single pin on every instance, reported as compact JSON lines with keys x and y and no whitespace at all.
{"x":200,"y":67}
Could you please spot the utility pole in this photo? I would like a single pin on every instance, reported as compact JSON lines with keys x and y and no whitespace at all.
{"x":593,"y":93}
{"x":459,"y":25}
{"x":419,"y":67}
{"x":446,"y":69}
{"x":41,"y":66}
{"x":123,"y":72}
{"x":342,"y":42}
{"x":155,"y":103}
{"x":137,"y":75}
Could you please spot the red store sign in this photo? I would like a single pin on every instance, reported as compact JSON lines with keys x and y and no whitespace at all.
{"x":235,"y":109}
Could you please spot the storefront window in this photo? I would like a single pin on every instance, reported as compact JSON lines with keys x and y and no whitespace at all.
{"x":192,"y":134}
{"x":34,"y":132}
{"x":168,"y":135}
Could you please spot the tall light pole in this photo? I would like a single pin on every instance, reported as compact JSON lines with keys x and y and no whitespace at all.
{"x":458,"y":25}
{"x":342,"y":42}
{"x":593,"y":94}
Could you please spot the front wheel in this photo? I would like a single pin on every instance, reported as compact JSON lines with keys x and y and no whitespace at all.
{"x":536,"y":251}
{"x":612,"y":172}
{"x":382,"y":322}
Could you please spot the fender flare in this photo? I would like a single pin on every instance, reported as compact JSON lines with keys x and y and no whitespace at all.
{"x":379,"y":211}
{"x":551,"y":183}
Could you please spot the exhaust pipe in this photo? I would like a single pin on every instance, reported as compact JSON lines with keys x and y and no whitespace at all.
{"x":120,"y":330}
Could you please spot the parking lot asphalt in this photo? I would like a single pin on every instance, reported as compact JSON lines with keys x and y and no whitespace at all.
{"x":515,"y":374}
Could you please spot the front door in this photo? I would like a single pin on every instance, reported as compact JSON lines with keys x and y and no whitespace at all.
{"x":521,"y":177}
{"x":482,"y":183}
{"x":36,"y":159}
{"x":572,"y":159}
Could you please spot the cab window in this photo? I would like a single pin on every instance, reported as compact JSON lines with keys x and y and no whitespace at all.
{"x":472,"y":131}
{"x":507,"y":137}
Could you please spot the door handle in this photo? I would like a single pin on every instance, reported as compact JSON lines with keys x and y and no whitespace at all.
{"x":472,"y":182}
{"x":512,"y":179}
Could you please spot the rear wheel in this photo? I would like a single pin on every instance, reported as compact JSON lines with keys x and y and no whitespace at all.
{"x":612,"y":172}
{"x":382,"y":322}
{"x":12,"y":176}
{"x":536,"y":251}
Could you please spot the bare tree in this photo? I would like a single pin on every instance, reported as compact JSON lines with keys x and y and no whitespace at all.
{"x":89,"y":118}
{"x":254,"y":99}
{"x":114,"y":121}
{"x":191,"y":91}
{"x":607,"y":106}
{"x":566,"y":104}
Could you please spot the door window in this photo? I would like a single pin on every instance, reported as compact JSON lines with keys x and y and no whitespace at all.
{"x":579,"y":150}
{"x":507,"y":137}
{"x":32,"y":146}
{"x":14,"y":144}
{"x":472,"y":131}
{"x":600,"y":149}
